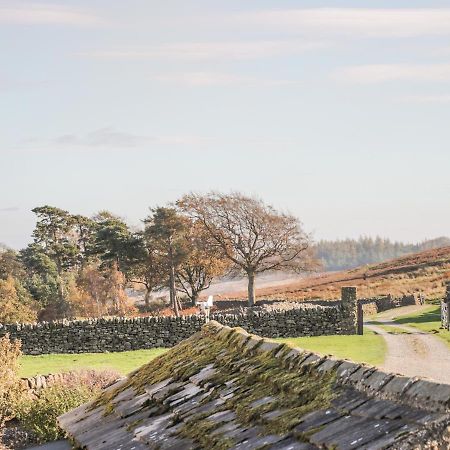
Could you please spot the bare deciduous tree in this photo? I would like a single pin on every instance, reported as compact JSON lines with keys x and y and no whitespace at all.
{"x":203,"y":262}
{"x":253,"y":235}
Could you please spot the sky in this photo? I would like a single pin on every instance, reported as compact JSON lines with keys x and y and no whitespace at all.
{"x":335,"y":111}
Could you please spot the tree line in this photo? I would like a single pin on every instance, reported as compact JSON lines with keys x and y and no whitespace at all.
{"x":79,"y":266}
{"x":350,"y":253}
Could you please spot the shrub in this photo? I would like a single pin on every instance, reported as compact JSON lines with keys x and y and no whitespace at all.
{"x":64,"y":393}
{"x":40,"y":415}
{"x":10,"y":389}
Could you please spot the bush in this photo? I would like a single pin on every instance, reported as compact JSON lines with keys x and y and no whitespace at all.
{"x":10,"y":389}
{"x":40,"y":414}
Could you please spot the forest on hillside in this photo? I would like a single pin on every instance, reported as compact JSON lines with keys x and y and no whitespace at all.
{"x":350,"y":253}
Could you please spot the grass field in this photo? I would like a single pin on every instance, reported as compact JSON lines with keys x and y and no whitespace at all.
{"x":369,"y":348}
{"x":428,"y":319}
{"x":123,"y":362}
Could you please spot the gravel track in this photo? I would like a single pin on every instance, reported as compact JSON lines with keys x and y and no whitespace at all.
{"x":415,"y":353}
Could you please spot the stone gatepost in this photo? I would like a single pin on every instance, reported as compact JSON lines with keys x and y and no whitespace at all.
{"x":352,"y":309}
{"x":445,"y":307}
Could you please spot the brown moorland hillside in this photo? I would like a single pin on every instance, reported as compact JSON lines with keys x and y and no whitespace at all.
{"x":422,"y":272}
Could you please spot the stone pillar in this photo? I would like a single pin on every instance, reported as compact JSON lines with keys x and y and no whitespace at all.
{"x":445,"y":307}
{"x":350,"y":307}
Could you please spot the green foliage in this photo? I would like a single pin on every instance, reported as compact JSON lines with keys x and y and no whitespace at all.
{"x":349,"y":253}
{"x":167,"y":229}
{"x":42,"y":276}
{"x":113,"y":241}
{"x":53,"y":233}
{"x":10,"y":265}
{"x":40,"y":415}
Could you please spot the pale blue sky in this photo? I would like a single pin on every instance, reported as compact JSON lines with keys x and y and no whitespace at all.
{"x":337,"y":111}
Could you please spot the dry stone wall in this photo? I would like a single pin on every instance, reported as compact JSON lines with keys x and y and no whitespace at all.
{"x":120,"y":334}
{"x":378,"y":304}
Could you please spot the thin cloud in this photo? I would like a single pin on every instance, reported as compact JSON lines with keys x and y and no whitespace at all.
{"x":210,"y":50}
{"x":444,"y":98}
{"x":205,"y":79}
{"x":108,"y":138}
{"x":47,"y":14}
{"x":380,"y":73}
{"x":361,"y":22}
{"x":104,"y":137}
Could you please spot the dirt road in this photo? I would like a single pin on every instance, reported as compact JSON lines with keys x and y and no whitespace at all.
{"x":412,"y":352}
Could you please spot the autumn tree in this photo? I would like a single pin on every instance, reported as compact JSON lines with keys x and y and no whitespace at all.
{"x":16,"y":304}
{"x":204,"y":261}
{"x":252,"y":235}
{"x":166,"y":229}
{"x":90,"y":297}
{"x":99,"y":291}
{"x":11,"y":390}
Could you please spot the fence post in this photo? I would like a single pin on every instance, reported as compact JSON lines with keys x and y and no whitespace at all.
{"x":350,"y":306}
{"x":360,"y":320}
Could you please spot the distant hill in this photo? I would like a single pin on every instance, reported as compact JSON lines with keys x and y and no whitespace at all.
{"x":350,"y":253}
{"x":421,"y":272}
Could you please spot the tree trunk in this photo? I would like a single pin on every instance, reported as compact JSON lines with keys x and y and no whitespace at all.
{"x":147,"y":299}
{"x":194,"y":298}
{"x":251,"y":288}
{"x":173,"y":292}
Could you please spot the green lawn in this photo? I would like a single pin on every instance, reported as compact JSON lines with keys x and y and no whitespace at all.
{"x":369,"y":348}
{"x":428,"y":319}
{"x":123,"y":362}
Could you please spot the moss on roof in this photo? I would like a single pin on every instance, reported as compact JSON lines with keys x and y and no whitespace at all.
{"x":223,"y":388}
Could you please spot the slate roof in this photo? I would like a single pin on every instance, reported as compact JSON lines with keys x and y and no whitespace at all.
{"x":223,"y":388}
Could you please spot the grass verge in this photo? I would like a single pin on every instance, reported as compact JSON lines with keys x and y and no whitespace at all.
{"x":369,"y":348}
{"x":123,"y":362}
{"x":428,"y":319}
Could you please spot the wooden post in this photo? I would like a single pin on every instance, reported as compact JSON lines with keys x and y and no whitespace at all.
{"x":360,"y":320}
